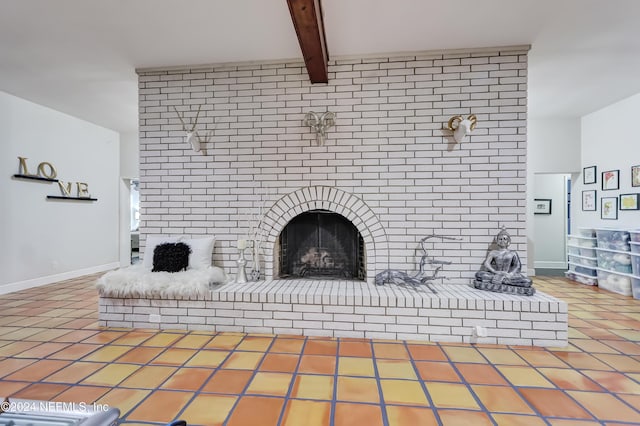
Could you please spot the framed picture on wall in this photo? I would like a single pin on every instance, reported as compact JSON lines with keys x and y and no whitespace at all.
{"x":628,"y":201}
{"x":635,"y":175}
{"x":610,"y":180}
{"x":589,"y":175}
{"x":542,"y":206}
{"x":589,"y":201}
{"x":609,"y":208}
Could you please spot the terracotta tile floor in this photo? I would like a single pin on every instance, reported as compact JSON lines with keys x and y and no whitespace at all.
{"x":52,"y":349}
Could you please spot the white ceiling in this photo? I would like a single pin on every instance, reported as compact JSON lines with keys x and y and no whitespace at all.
{"x":80,"y":56}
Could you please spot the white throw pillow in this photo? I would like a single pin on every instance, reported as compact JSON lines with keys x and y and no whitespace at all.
{"x":201,"y":251}
{"x":150,"y":245}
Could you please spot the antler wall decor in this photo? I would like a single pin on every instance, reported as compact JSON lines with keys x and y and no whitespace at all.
{"x":320,"y":124}
{"x":191,"y":136}
{"x":461,"y":126}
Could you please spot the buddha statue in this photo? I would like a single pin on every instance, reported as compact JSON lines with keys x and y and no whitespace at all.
{"x":501,"y":271}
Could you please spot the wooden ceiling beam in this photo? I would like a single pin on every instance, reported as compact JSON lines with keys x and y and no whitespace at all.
{"x":307,"y":20}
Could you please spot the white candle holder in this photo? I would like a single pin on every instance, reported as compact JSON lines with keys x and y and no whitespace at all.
{"x":241,"y":274}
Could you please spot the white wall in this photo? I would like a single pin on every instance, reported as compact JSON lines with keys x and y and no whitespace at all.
{"x":129,"y":156}
{"x":44,"y":240}
{"x":550,"y":230}
{"x":609,"y":142}
{"x":554,"y":145}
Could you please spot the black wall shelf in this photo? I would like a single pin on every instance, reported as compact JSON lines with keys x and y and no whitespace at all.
{"x":59,"y":197}
{"x":38,"y":178}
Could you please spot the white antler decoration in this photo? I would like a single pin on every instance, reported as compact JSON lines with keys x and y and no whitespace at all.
{"x":191,"y":136}
{"x":461,"y":126}
{"x":320,"y":124}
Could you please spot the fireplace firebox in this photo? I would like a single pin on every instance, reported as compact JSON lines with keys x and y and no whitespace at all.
{"x":321,"y":244}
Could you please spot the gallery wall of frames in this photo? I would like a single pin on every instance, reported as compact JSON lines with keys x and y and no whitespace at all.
{"x":610,"y":192}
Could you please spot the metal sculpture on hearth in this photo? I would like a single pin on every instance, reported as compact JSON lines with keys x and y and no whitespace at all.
{"x":423,"y":277}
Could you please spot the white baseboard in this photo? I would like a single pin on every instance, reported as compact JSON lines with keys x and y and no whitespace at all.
{"x":50,"y":279}
{"x":550,"y":265}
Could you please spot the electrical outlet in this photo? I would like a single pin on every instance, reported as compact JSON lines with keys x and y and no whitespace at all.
{"x":479,"y":331}
{"x":155,"y":318}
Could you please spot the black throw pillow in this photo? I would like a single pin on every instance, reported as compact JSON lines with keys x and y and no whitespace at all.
{"x":171,"y":257}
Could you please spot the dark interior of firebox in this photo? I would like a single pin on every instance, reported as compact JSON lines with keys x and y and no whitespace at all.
{"x":321,"y":244}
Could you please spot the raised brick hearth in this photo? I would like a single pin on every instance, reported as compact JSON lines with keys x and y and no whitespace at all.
{"x":352,"y":309}
{"x":388,"y":166}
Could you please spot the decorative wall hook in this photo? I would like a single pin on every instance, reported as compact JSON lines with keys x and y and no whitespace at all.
{"x":461,"y":126}
{"x":320,"y":124}
{"x":191,"y":135}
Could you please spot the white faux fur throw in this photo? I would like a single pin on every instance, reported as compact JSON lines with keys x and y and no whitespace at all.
{"x":137,"y":282}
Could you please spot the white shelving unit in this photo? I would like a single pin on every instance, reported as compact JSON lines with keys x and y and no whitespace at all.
{"x":616,"y":269}
{"x":606,"y":257}
{"x":582,"y":260}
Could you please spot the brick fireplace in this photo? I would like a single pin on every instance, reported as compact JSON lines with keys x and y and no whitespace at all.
{"x":388,"y":165}
{"x":354,"y":210}
{"x":389,"y":168}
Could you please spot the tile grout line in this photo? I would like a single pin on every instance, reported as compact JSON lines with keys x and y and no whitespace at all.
{"x":515,"y":388}
{"x":294,"y":377}
{"x":148,"y":364}
{"x":383,"y":405}
{"x":469,"y":387}
{"x":197,"y":392}
{"x":334,"y":391}
{"x":423,"y":384}
{"x":243,"y":392}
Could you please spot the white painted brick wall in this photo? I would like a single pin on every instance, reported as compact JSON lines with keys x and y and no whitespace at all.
{"x":388,"y":149}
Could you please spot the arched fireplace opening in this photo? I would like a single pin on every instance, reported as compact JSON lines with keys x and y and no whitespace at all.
{"x":320,"y":244}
